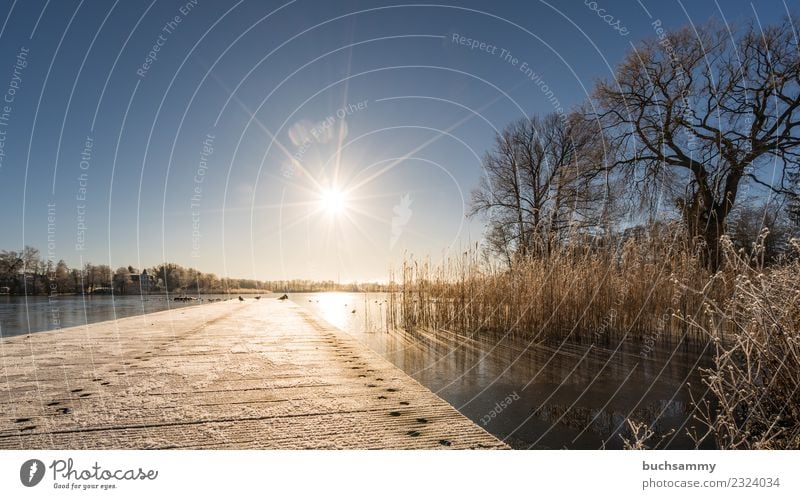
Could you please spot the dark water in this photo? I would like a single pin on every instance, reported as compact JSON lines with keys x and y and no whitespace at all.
{"x":533,"y":396}
{"x":21,"y":315}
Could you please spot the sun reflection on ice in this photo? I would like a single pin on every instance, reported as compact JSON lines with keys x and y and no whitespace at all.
{"x":336,"y":308}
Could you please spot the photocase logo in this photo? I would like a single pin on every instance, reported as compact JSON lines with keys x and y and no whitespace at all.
{"x":31,"y":472}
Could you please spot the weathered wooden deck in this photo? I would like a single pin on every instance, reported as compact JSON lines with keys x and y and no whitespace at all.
{"x":254,"y":375}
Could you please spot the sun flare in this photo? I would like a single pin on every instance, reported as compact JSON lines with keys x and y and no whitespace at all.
{"x":332,"y":201}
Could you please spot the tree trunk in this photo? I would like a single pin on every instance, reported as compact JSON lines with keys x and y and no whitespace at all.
{"x":705,"y":221}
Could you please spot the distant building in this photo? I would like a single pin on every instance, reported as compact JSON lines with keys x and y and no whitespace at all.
{"x":142,"y":283}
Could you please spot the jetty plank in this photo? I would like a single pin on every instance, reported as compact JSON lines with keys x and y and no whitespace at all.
{"x":243,"y":375}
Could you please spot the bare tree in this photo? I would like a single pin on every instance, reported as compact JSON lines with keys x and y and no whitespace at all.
{"x":62,"y":277}
{"x":793,"y":205}
{"x":88,"y":278}
{"x":103,"y":276}
{"x":499,"y":194}
{"x":701,"y":113}
{"x":32,"y":266}
{"x":759,"y":231}
{"x":499,"y":240}
{"x":10,"y":267}
{"x":10,"y":263}
{"x":533,"y":185}
{"x":122,"y":280}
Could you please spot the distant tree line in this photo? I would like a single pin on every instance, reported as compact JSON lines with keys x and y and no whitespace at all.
{"x":698,"y":126}
{"x":26,"y":272}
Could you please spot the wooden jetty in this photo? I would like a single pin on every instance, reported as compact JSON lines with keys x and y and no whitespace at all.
{"x":232,"y":375}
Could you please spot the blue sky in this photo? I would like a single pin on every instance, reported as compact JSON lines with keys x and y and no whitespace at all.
{"x":216,"y":155}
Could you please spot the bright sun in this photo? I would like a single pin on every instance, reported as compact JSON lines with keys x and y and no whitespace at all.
{"x":332,"y":201}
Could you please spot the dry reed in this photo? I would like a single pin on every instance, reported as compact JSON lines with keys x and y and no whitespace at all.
{"x":754,"y":382}
{"x":636,"y":289}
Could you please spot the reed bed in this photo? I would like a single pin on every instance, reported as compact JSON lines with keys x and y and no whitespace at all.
{"x":649,"y":288}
